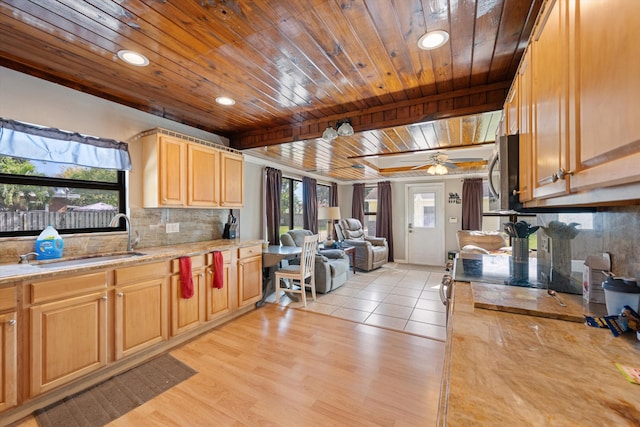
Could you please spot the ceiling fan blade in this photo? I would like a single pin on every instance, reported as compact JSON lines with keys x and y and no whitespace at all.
{"x":450,"y":165}
{"x":421,"y":166}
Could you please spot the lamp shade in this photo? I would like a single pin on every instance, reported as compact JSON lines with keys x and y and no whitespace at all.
{"x":330,"y":213}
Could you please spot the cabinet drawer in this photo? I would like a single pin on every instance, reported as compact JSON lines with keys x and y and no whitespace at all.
{"x":226,"y":255}
{"x":68,"y":286}
{"x":196,"y":262}
{"x":8,"y":298}
{"x":140,"y":273}
{"x":250,"y":251}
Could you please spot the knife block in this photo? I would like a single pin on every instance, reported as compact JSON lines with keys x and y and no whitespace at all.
{"x":229,"y":231}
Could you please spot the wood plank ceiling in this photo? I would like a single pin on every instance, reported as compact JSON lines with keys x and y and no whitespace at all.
{"x":292,"y":66}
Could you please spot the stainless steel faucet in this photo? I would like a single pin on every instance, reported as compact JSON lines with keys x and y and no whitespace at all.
{"x":114,"y":223}
{"x":24,"y":259}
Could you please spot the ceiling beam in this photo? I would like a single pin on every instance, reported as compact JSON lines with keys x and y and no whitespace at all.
{"x":479,"y":99}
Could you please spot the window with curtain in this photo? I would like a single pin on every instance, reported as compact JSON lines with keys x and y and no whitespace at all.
{"x":291,"y":204}
{"x":370,"y":208}
{"x":52,"y":177}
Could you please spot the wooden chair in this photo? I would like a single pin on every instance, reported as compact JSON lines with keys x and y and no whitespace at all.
{"x":298,"y":274}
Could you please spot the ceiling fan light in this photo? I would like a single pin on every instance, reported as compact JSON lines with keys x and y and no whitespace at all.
{"x":345,"y":129}
{"x":329,"y":134}
{"x":431,"y":170}
{"x":433,"y":40}
{"x":440,"y":169}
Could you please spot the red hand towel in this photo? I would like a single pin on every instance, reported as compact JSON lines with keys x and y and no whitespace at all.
{"x":186,"y":281}
{"x":218,"y":268}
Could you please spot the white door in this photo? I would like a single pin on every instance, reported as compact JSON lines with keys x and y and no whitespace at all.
{"x":425,"y":224}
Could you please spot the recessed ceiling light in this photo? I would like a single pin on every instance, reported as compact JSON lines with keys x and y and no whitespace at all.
{"x":224,"y":100}
{"x":133,"y":58}
{"x":433,"y":40}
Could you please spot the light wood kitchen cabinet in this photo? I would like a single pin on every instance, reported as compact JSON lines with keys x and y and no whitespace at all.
{"x":249,"y":275}
{"x":8,"y":349}
{"x":606,"y":144}
{"x":221,"y":301}
{"x":203,"y":182}
{"x":232,"y":180}
{"x":141,"y":308}
{"x":187,"y":313}
{"x":165,"y":166}
{"x":68,"y":339}
{"x":512,"y":108}
{"x":525,"y":107}
{"x":181,"y":171}
{"x":550,"y":64}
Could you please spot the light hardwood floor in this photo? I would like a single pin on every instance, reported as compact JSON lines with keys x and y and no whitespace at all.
{"x":278,"y":366}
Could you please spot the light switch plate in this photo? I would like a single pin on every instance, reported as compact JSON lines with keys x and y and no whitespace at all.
{"x":453,"y":220}
{"x":173,"y":227}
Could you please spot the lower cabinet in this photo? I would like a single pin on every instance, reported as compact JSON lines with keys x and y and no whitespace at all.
{"x":8,"y":349}
{"x":249,"y":275}
{"x":220,"y":301}
{"x":141,"y":308}
{"x":187,"y":313}
{"x":68,"y":329}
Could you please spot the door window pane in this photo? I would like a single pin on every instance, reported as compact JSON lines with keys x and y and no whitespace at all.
{"x":424,"y":212}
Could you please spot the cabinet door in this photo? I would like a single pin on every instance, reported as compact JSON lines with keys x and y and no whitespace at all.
{"x":607,"y":150}
{"x":525,"y":140}
{"x":202,"y":181}
{"x":511,"y":108}
{"x":187,"y":313}
{"x":218,"y":300}
{"x":550,"y":92}
{"x":171,"y":171}
{"x":68,"y":340}
{"x":249,"y":280}
{"x":141,"y":316}
{"x":8,"y":361}
{"x":231,"y":180}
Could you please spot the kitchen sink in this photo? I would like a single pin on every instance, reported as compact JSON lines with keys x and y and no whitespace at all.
{"x":85,"y":260}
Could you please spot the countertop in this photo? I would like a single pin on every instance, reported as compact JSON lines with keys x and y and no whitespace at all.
{"x":503,"y":369}
{"x":11,"y":273}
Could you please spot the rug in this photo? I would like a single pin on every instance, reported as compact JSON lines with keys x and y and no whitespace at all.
{"x":116,"y":396}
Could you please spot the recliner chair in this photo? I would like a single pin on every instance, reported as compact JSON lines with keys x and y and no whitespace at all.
{"x":331,"y":265}
{"x":371,"y":252}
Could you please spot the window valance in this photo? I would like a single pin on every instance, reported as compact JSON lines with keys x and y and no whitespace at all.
{"x":32,"y":142}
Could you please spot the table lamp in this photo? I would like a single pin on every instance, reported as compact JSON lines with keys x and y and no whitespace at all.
{"x":330,"y":214}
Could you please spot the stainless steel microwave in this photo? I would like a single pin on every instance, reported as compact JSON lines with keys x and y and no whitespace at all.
{"x":504,"y":176}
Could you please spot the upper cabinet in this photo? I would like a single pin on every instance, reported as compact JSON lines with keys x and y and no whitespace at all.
{"x":575,"y":95}
{"x":181,"y":171}
{"x":606,"y":143}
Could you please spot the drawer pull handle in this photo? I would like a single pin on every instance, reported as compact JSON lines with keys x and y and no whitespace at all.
{"x":12,"y":322}
{"x":120,"y":294}
{"x":104,"y":298}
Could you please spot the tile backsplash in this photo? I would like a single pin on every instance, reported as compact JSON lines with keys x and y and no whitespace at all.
{"x":195,"y":225}
{"x":614,"y":230}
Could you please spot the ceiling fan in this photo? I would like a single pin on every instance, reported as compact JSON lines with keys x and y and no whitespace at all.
{"x":441,"y":163}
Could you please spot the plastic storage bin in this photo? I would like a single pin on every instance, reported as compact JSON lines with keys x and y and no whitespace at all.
{"x":618,"y":292}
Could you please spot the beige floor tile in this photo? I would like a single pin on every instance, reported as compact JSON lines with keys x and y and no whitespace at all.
{"x":372,"y":295}
{"x":433,"y":305}
{"x":393,"y":310}
{"x":350,"y":314}
{"x":409,"y":284}
{"x":361,"y":304}
{"x":428,"y":316}
{"x":407,"y":292}
{"x":386,"y":322}
{"x":380,"y":287}
{"x":401,"y":300}
{"x":426,"y":330}
{"x":334,"y":299}
{"x":431,"y":295}
{"x":347,"y":291}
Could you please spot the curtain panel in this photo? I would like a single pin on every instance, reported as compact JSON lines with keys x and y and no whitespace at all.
{"x":273,"y":187}
{"x":472,"y":194}
{"x":357,"y":203}
{"x":334,"y":202}
{"x":310,"y":204}
{"x":53,"y":145}
{"x":384,"y":219}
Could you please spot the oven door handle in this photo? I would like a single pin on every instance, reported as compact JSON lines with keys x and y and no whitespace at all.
{"x":446,"y":282}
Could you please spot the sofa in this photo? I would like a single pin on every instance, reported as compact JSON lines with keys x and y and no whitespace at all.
{"x":371,"y":252}
{"x":331,"y":265}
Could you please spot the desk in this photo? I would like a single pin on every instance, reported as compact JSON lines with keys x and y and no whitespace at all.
{"x":271,"y":258}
